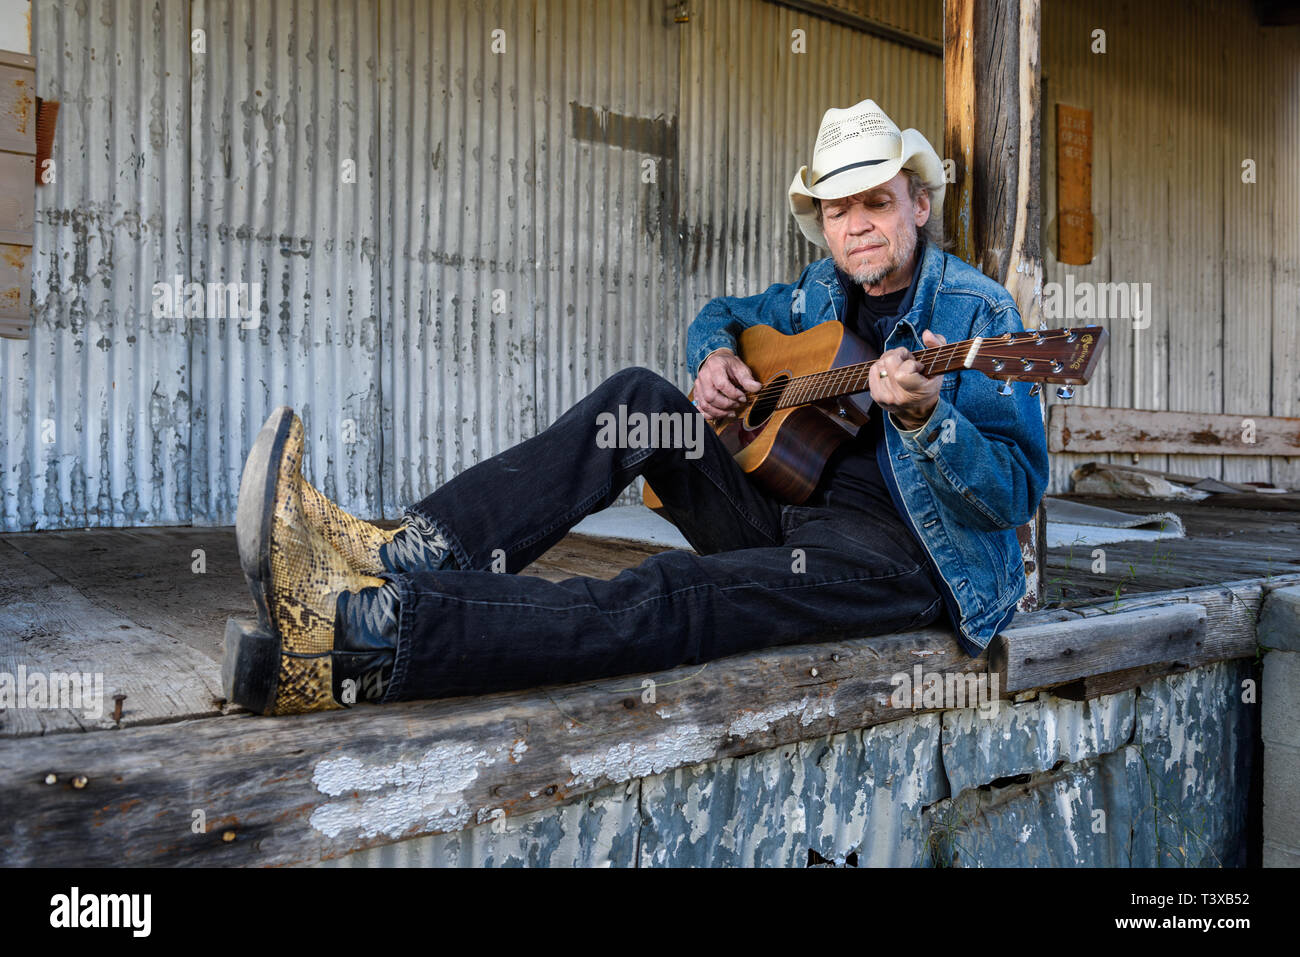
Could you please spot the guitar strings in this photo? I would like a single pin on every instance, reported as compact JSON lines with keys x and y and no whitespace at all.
{"x":838,"y":377}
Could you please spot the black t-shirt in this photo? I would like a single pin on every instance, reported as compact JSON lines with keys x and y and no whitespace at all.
{"x":852,"y":476}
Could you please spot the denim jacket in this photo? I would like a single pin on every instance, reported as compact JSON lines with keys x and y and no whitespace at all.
{"x":975,"y":472}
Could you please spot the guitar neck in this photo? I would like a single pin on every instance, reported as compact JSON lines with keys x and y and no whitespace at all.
{"x":1056,"y":355}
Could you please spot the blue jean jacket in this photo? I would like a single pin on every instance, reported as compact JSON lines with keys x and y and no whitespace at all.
{"x":975,"y":472}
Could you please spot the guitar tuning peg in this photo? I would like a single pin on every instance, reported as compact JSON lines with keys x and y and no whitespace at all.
{"x":1036,"y":388}
{"x":1005,"y":388}
{"x":1064,"y":392}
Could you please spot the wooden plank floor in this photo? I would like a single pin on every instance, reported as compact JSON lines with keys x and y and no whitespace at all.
{"x":148,"y":607}
{"x":1222,"y":544}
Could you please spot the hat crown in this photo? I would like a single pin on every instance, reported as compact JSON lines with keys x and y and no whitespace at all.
{"x":862,"y":131}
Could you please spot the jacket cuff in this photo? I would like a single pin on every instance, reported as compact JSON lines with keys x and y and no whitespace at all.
{"x":713,"y":345}
{"x":926,"y":439}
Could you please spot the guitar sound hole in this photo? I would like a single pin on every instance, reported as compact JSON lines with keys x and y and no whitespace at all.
{"x":765,"y":405}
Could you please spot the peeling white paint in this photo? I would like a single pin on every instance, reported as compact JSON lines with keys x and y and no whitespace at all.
{"x":688,"y":744}
{"x":426,"y":794}
{"x":762,"y":720}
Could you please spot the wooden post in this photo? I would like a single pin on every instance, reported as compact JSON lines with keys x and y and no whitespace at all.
{"x":991,"y":132}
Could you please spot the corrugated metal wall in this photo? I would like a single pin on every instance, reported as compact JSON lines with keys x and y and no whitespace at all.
{"x":524,"y":222}
{"x":284,"y":99}
{"x":520,"y":225}
{"x":529,"y":190}
{"x":923,"y":20}
{"x":1173,"y":122}
{"x":750,"y":112}
{"x":95,"y":407}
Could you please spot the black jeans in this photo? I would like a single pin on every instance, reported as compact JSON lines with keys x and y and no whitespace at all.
{"x":766,"y":574}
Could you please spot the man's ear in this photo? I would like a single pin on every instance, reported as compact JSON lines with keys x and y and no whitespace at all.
{"x":922,"y":208}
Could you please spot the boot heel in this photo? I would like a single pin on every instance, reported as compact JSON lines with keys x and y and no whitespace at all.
{"x":250,"y":668}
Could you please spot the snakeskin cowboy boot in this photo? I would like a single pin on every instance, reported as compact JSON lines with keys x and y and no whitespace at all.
{"x":415,"y":545}
{"x":326,"y":633}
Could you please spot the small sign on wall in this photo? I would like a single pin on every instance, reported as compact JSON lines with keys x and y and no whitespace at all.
{"x":17,"y":190}
{"x":1073,"y":185}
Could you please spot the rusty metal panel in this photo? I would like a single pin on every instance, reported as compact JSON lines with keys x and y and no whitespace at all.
{"x":1048,"y":820}
{"x":751,"y":108}
{"x":95,"y":406}
{"x":530,"y":245}
{"x":1177,"y":796}
{"x":1195,"y":738}
{"x":980,"y":745}
{"x":1157,"y":776}
{"x":284,"y":200}
{"x":854,"y":797}
{"x":600,"y":830}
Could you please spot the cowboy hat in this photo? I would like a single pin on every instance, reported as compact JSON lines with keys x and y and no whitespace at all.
{"x":858,"y":149}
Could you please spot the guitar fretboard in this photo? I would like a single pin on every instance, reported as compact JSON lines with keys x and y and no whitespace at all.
{"x":847,"y":380}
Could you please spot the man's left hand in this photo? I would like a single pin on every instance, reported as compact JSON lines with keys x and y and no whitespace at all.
{"x":903,"y":390}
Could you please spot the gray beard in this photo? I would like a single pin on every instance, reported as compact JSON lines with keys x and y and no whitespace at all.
{"x":868,"y":276}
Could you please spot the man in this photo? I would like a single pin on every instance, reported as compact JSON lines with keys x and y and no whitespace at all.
{"x":914,"y":518}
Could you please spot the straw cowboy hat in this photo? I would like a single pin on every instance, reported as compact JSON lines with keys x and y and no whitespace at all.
{"x":858,"y":149}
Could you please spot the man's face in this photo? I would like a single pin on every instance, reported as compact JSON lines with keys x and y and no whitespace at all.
{"x":872,"y":235}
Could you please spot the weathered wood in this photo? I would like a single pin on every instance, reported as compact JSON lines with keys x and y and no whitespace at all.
{"x":1115,"y":681}
{"x":299,"y":789}
{"x":1221,"y":545}
{"x":1232,"y":610}
{"x":1081,"y":428}
{"x":49,"y":628}
{"x":959,"y":123}
{"x":992,"y":84}
{"x":1059,"y":652}
{"x":15,"y":271}
{"x":18,"y":104}
{"x":1232,"y":607}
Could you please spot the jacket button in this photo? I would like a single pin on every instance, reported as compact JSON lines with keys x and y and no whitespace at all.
{"x":932,"y":436}
{"x":970,"y":495}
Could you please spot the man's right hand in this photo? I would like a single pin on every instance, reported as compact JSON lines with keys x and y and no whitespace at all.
{"x":722,"y":383}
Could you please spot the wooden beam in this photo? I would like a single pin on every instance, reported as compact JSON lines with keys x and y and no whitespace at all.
{"x":1089,"y":429}
{"x":1060,"y":652}
{"x":1232,"y":611}
{"x":959,"y":123}
{"x":992,"y":82}
{"x":299,"y":789}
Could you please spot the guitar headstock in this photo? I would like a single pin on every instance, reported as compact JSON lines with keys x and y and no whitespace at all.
{"x":1066,"y":356}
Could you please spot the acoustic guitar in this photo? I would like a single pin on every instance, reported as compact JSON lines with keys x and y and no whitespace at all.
{"x":815,"y":392}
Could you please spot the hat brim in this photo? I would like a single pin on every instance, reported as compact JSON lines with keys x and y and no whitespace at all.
{"x":918,"y":155}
